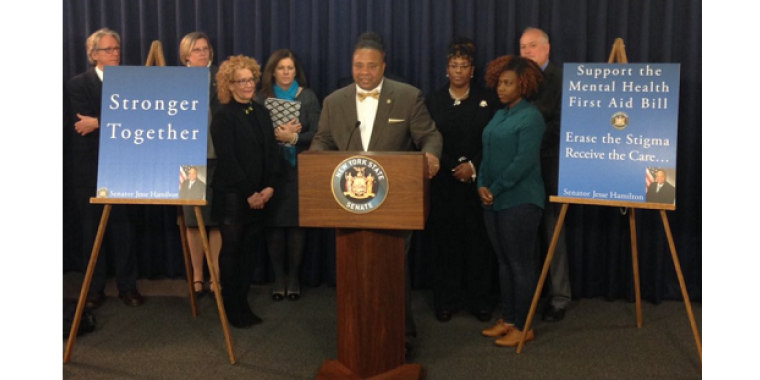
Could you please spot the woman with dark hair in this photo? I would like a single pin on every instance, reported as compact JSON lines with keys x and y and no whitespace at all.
{"x":284,"y":79}
{"x":462,"y":256}
{"x":195,"y":51}
{"x":512,"y":191}
{"x":244,"y":181}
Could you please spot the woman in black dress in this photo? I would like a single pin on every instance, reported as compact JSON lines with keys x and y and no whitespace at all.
{"x":244,"y":180}
{"x":462,"y":257}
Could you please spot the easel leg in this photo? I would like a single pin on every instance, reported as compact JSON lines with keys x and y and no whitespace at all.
{"x":681,"y":281}
{"x":544,"y":272}
{"x":87,"y":281}
{"x":215,"y":284}
{"x":635,"y":258}
{"x":186,"y":254}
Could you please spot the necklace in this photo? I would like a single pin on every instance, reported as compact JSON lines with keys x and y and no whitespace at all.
{"x":458,"y":100}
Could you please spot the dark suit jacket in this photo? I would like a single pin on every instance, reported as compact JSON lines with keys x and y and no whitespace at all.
{"x":549,"y":102}
{"x":85,"y":92}
{"x":402,"y":122}
{"x":198,"y":191}
{"x":666,"y":195}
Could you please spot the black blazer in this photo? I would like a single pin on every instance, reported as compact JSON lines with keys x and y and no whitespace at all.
{"x":549,"y":102}
{"x":85,"y":92}
{"x":246,"y":149}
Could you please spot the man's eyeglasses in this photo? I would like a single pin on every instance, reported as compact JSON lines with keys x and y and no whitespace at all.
{"x":243,"y":82}
{"x":110,"y":50}
{"x":200,"y":50}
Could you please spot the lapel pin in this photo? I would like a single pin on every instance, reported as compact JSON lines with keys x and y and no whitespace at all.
{"x":389,"y":101}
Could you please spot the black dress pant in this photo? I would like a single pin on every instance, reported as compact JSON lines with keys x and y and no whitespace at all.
{"x":118,"y":240}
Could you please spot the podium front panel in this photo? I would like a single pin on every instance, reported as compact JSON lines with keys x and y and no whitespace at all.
{"x":404,"y":208}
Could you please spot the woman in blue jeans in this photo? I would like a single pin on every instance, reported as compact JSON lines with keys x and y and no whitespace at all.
{"x":512,"y":191}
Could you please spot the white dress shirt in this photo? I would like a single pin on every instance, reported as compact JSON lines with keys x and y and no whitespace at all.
{"x":366,"y":111}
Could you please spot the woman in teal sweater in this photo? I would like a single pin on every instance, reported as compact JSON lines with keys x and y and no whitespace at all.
{"x":512,"y":191}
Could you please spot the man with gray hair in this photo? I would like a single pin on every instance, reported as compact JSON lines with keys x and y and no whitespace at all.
{"x":534,"y":44}
{"x":85,"y":92}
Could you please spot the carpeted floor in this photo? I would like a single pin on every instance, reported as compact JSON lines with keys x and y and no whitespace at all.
{"x":161,"y":340}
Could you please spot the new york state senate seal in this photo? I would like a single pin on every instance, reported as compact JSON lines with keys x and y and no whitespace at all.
{"x":359,"y":184}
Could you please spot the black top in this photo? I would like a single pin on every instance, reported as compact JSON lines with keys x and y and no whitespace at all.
{"x":462,"y":125}
{"x":462,"y":129}
{"x":245,"y":148}
{"x":549,"y":102}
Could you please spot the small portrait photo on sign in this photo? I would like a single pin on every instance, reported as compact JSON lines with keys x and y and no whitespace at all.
{"x":192,"y":182}
{"x":661,"y":185}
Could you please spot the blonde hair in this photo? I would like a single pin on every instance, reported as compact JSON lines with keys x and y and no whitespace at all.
{"x":94,"y":39}
{"x":187,"y":43}
{"x":227,"y":71}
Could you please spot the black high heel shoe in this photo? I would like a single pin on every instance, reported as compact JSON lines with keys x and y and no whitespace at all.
{"x":199,"y":293}
{"x":294,"y":296}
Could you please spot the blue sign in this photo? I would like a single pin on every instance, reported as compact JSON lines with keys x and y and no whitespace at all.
{"x":153,"y":130}
{"x":619,"y":132}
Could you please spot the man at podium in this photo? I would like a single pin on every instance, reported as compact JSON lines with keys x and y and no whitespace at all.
{"x":379,"y":114}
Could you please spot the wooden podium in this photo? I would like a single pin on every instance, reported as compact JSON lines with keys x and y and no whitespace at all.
{"x":370,"y":259}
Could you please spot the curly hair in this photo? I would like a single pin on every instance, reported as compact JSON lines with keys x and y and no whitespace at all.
{"x":267,"y":80}
{"x":227,"y":71}
{"x":528,"y":73}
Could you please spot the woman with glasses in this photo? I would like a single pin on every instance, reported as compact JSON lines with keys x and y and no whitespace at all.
{"x":244,"y":181}
{"x":462,"y":257}
{"x":195,"y":51}
{"x":284,"y":79}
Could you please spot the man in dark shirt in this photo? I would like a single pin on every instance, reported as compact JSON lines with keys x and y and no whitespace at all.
{"x":534,"y":44}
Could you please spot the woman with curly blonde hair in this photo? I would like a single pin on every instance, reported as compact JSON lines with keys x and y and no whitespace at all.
{"x":512,"y":191}
{"x":244,"y":181}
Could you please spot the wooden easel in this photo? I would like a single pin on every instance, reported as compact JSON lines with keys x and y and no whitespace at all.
{"x":108,"y":204}
{"x":618,"y":55}
{"x":155,"y":58}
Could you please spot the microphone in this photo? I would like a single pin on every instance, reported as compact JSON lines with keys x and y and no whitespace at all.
{"x":356,"y":126}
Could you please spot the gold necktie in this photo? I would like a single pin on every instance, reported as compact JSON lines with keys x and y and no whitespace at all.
{"x":363,"y":95}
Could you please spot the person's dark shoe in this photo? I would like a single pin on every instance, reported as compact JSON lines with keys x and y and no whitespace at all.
{"x":95,"y":300}
{"x":132,"y":298}
{"x":483,"y":315}
{"x":198,"y":287}
{"x":238,"y":320}
{"x":294,"y":296}
{"x":252,"y":319}
{"x":443,"y":315}
{"x":247,"y":318}
{"x":553,"y":314}
{"x":278,"y":296}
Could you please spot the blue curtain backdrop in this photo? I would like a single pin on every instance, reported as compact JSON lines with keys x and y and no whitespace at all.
{"x":322,"y":33}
